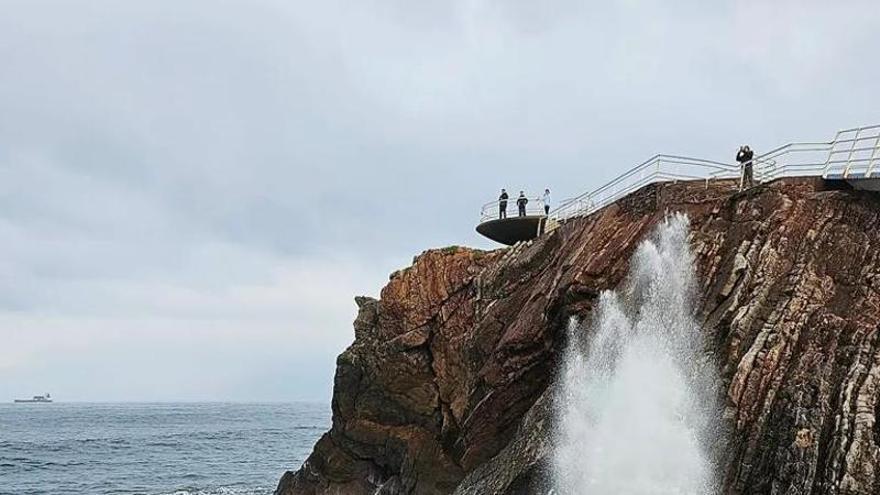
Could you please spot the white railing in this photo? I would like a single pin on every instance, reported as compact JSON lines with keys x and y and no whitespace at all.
{"x":492,"y":209}
{"x":852,"y":154}
{"x":659,"y":168}
{"x":792,"y":160}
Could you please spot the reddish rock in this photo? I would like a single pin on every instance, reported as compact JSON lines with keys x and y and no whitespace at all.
{"x":445,"y":386}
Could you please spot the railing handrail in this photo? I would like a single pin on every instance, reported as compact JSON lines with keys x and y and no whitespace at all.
{"x":655,"y":160}
{"x":778,"y":162}
{"x":512,"y":199}
{"x":490,"y":210}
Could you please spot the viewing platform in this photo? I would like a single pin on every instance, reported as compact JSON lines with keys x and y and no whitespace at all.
{"x":514,"y":227}
{"x":853,"y":157}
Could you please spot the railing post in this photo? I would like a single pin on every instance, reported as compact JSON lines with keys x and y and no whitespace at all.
{"x":852,"y":150}
{"x":830,"y":154}
{"x":873,"y":155}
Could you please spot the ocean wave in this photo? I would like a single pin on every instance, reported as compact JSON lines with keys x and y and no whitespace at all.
{"x":221,"y":490}
{"x":153,"y":450}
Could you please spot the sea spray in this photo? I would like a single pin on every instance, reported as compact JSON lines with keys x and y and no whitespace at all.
{"x":636,"y":392}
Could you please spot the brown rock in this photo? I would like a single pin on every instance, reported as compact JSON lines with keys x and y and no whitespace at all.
{"x":440,"y":390}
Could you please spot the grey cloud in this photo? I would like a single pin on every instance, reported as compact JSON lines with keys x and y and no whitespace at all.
{"x":167,"y":160}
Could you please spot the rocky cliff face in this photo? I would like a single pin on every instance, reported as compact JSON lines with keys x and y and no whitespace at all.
{"x":448,"y":384}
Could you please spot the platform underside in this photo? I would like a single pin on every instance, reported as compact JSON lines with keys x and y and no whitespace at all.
{"x":857,"y":180}
{"x":511,"y":230}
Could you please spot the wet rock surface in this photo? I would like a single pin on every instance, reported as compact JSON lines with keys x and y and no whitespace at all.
{"x":447,"y":386}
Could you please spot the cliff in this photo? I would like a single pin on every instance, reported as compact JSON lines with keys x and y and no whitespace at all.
{"x":447,"y":386}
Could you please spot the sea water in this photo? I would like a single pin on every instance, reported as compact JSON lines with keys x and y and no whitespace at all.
{"x":635,"y":413}
{"x":181,"y":449}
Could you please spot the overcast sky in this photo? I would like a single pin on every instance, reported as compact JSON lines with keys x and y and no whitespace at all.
{"x":192,"y":191}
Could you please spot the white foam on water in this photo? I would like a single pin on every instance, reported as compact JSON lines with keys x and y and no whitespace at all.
{"x":636,"y":405}
{"x":223,"y":490}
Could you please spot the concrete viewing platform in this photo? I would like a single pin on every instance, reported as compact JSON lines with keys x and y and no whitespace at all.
{"x":511,"y":227}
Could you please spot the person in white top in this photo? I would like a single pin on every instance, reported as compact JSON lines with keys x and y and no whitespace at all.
{"x":547,"y":201}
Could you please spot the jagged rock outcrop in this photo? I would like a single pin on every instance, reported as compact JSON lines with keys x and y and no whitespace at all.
{"x":447,"y":386}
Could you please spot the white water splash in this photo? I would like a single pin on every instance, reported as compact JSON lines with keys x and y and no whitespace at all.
{"x":637,"y":395}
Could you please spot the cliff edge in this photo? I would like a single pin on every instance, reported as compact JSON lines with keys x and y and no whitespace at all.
{"x":447,"y":386}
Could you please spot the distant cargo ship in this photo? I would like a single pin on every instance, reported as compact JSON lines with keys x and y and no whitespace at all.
{"x":36,"y":398}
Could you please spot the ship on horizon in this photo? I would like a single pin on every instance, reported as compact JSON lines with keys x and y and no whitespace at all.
{"x":35,"y":399}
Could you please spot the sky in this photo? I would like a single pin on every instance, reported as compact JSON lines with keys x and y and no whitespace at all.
{"x":192,"y":192}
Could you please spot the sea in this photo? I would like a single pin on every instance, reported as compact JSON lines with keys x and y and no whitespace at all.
{"x":154,"y":449}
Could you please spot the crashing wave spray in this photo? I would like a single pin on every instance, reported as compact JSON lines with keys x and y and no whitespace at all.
{"x":636,"y":402}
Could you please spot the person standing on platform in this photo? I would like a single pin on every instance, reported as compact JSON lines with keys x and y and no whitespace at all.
{"x":521,"y":203}
{"x":744,"y":157}
{"x":547,"y":200}
{"x":502,"y":204}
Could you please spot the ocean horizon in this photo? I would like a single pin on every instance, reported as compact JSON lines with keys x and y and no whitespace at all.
{"x":154,"y":448}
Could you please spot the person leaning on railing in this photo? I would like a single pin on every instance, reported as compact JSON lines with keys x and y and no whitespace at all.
{"x":744,"y":157}
{"x":502,"y":204}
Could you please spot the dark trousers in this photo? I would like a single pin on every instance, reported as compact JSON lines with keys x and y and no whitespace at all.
{"x":546,"y":209}
{"x":748,"y":179}
{"x":502,"y":209}
{"x":522,"y":210}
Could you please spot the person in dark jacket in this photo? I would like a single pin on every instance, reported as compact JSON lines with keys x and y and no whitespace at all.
{"x":502,"y":204}
{"x":521,"y":203}
{"x":744,"y":157}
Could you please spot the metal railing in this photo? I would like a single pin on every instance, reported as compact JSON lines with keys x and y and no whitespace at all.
{"x":791,"y":160}
{"x":852,"y":154}
{"x":659,"y":168}
{"x":492,"y":209}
